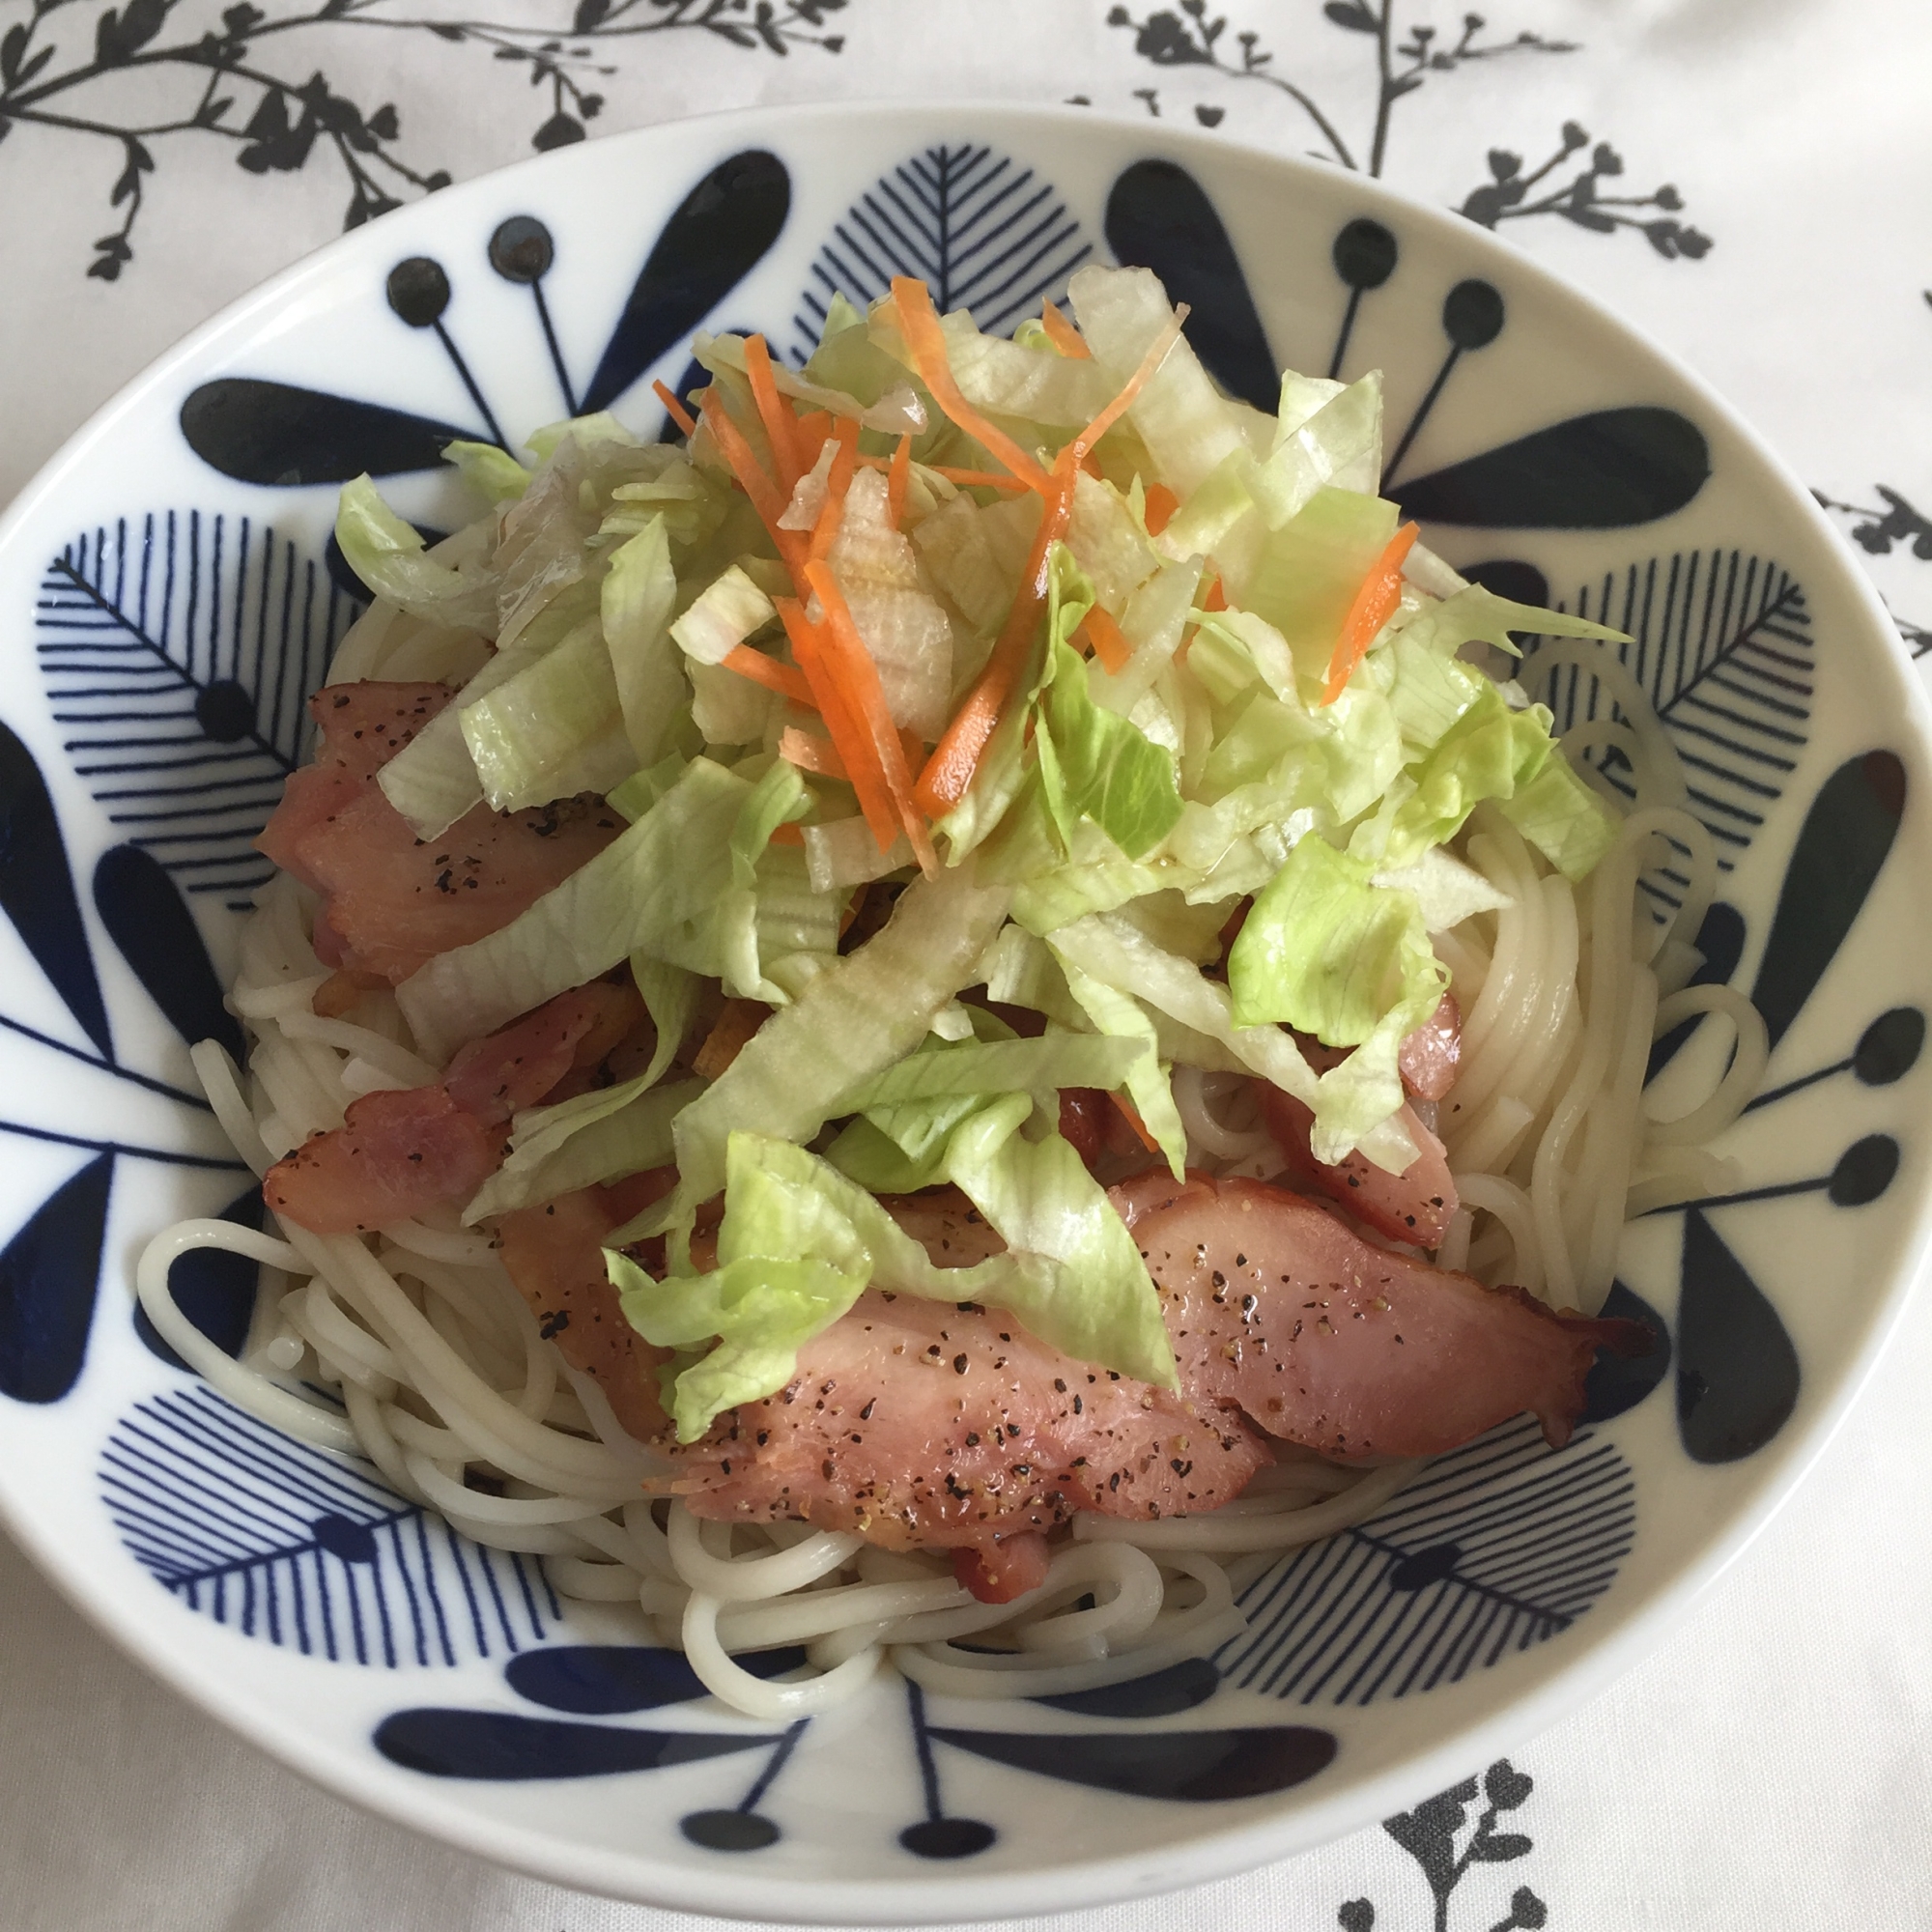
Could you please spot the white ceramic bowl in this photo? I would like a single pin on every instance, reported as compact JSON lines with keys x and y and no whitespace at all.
{"x":169,"y":601}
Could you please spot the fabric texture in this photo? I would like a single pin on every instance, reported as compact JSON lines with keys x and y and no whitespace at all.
{"x":1745,"y":180}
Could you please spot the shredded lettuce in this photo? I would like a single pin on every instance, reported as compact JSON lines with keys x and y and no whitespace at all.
{"x":870,"y":1010}
{"x":388,"y":555}
{"x":655,"y":890}
{"x":526,"y":736}
{"x":648,"y":673}
{"x":598,"y":1136}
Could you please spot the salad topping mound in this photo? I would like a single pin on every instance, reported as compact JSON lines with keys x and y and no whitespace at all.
{"x":810,"y":851}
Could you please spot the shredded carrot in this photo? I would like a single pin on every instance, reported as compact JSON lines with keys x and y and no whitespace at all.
{"x":773,"y":413}
{"x":859,"y":686}
{"x":813,"y":427}
{"x":811,"y":752}
{"x":768,"y":671}
{"x":1132,"y":1114}
{"x":1150,"y":367}
{"x":919,"y":321}
{"x":675,"y":409}
{"x":898,"y":477}
{"x":1061,"y":333}
{"x":1110,"y":646}
{"x":729,"y":1035}
{"x":1213,"y":598}
{"x":1374,"y":605}
{"x":1161,"y":504}
{"x":809,"y":646}
{"x":788,"y":835}
{"x":766,"y":499}
{"x":825,"y":532}
{"x":948,"y":772}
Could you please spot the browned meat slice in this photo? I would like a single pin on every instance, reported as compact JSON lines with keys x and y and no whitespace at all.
{"x":1413,"y":1205}
{"x":360,"y":726}
{"x":399,"y":1152}
{"x":554,"y":1254}
{"x":1277,"y":1309}
{"x":393,"y":1155}
{"x":923,"y":1424}
{"x":392,"y":900}
{"x":1431,"y":1055}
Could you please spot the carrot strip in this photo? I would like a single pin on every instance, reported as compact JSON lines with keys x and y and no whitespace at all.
{"x":675,"y":409}
{"x":757,"y":485}
{"x":777,"y":420}
{"x":858,"y":685}
{"x":811,"y":752}
{"x":1213,"y":598}
{"x":1150,"y":367}
{"x":730,"y":1034}
{"x":769,"y":672}
{"x":825,"y":532}
{"x":927,"y":340}
{"x":1110,"y":645}
{"x":1061,"y":333}
{"x":1374,"y":605}
{"x":809,"y":646}
{"x":1132,"y":1114}
{"x":898,"y":477}
{"x":1161,"y":504}
{"x":948,"y":772}
{"x":788,"y":835}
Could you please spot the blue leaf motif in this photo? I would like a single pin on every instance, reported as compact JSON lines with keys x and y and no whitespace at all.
{"x":48,"y":1274}
{"x":1495,"y":1546}
{"x":305,"y":1549}
{"x":980,"y":230}
{"x":147,"y":919}
{"x":36,"y":889}
{"x":178,"y":650}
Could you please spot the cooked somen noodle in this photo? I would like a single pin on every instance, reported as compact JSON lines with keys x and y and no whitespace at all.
{"x":926,"y":701}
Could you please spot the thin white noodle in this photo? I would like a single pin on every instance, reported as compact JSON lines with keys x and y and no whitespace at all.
{"x":758,"y":1697}
{"x":1196,"y":1096}
{"x":1500,"y":1198}
{"x":222,"y":1082}
{"x":443,"y":1244}
{"x":750,"y":1579}
{"x":398,"y":1062}
{"x":1658,"y":756}
{"x":1748,"y":1060}
{"x":244,"y":1387}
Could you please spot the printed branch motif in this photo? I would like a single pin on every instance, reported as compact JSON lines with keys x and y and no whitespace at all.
{"x":1506,"y":197}
{"x":226,"y":84}
{"x":1406,"y":58}
{"x":1429,"y":1834}
{"x":1876,"y":530}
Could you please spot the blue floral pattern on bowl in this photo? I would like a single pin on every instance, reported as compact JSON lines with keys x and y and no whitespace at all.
{"x":176,"y":639}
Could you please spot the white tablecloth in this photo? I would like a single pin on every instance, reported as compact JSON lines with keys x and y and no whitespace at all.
{"x":1771,"y":1764}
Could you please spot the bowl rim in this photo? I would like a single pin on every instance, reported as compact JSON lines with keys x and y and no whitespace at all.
{"x":928,"y":1896}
